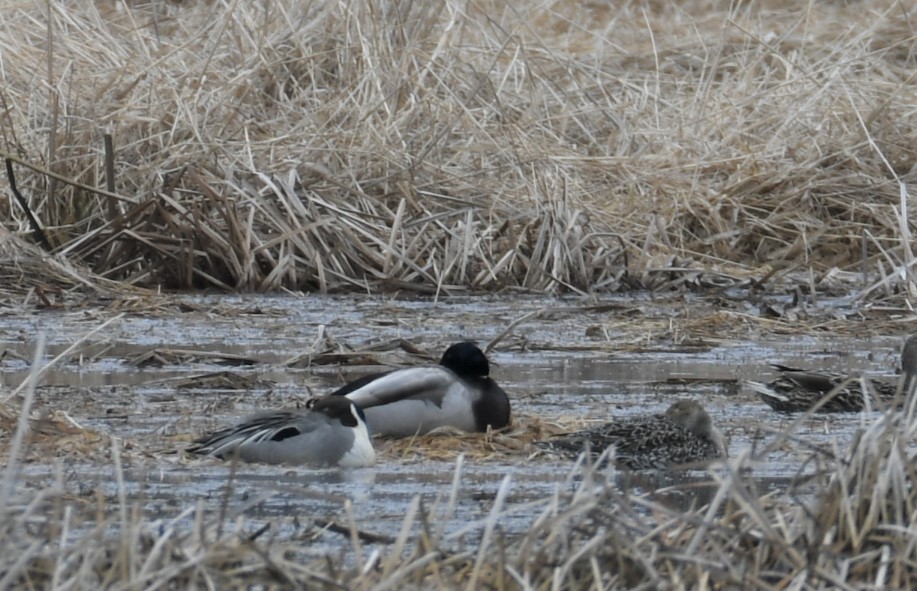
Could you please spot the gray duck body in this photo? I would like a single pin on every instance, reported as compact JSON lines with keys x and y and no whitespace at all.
{"x":329,"y":432}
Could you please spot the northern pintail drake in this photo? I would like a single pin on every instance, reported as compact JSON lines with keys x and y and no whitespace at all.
{"x":684,"y":435}
{"x":329,"y":432}
{"x":797,"y":390}
{"x":456,"y":393}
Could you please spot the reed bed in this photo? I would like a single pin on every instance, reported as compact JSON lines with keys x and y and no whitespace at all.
{"x":439,"y":147}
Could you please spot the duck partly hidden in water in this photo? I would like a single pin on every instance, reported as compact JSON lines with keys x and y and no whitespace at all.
{"x":798,"y":390}
{"x":458,"y":393}
{"x":329,"y":432}
{"x":683,"y":436}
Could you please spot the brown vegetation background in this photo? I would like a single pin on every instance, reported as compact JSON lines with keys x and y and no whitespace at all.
{"x":443,"y":146}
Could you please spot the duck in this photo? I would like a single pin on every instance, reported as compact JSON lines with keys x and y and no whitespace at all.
{"x":458,"y":393}
{"x":683,"y":435}
{"x":328,"y":432}
{"x":799,"y":390}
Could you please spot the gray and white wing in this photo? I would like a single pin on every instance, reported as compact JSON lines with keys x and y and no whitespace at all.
{"x":280,"y":437}
{"x":427,"y":383}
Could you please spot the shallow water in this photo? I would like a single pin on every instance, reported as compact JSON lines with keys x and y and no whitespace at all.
{"x":575,"y":360}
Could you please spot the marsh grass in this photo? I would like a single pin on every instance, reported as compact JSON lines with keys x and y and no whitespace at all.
{"x":437,"y":147}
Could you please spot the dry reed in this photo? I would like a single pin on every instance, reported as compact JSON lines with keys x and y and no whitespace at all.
{"x":436,"y":147}
{"x":851,"y":527}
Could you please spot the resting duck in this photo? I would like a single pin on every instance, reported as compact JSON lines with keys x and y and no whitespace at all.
{"x":798,"y":390}
{"x":457,"y":393}
{"x":683,"y":435}
{"x":330,"y":432}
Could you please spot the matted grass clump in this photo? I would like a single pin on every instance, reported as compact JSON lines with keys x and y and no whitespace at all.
{"x":444,"y":146}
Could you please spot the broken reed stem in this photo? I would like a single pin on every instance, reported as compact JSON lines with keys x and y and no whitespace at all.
{"x":37,"y":229}
{"x":53,"y":102}
{"x":10,"y":474}
{"x":453,"y":499}
{"x":486,"y":538}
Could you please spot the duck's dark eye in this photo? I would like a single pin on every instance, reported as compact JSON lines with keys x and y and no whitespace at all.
{"x":285,"y":434}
